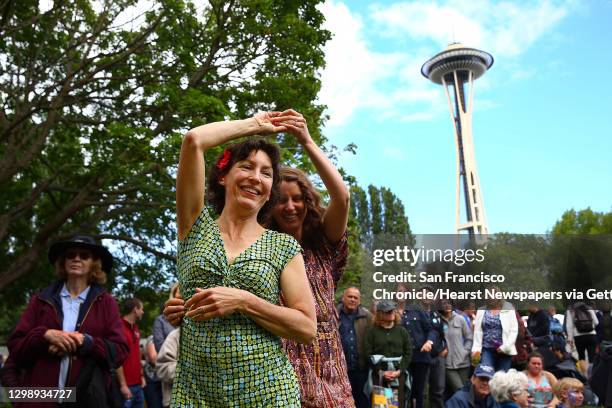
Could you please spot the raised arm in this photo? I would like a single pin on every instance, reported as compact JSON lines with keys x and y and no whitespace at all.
{"x":336,"y":216}
{"x":297,"y":321}
{"x":190,"y":178}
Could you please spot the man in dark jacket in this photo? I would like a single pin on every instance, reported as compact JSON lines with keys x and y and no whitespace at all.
{"x":439,"y":351}
{"x":354,"y":319}
{"x":477,"y":393}
{"x":538,"y":324}
{"x":423,"y":336}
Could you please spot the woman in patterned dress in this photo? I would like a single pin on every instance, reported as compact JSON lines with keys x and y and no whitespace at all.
{"x":321,"y":367}
{"x":232,"y":271}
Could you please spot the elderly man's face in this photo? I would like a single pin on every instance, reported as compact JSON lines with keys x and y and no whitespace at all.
{"x":351,"y":299}
{"x":481,"y":386}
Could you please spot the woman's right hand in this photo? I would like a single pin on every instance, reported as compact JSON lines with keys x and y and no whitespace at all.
{"x":175,"y":310}
{"x":267,"y":122}
{"x":219,"y":301}
{"x":295,"y":123}
{"x":66,"y":342}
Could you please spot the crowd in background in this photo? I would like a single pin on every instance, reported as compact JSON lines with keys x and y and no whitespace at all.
{"x":457,"y":350}
{"x":259,"y":325}
{"x":451,"y":355}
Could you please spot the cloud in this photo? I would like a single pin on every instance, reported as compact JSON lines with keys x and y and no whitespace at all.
{"x":503,"y":28}
{"x":357,"y":77}
{"x":419,"y":116}
{"x":360,"y":76}
{"x":352,"y":69}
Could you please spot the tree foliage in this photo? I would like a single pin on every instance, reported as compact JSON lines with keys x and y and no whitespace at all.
{"x":580,"y":250}
{"x":93,"y":106}
{"x":584,"y":221}
{"x":376,"y":214}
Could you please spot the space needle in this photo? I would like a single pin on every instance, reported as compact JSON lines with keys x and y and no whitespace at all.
{"x":456,"y":68}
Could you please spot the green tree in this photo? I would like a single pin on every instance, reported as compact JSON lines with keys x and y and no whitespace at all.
{"x":376,"y":210}
{"x":359,"y":208}
{"x":395,"y":222}
{"x":376,"y":216}
{"x":92,"y":111}
{"x":583,"y":222}
{"x":581,"y":245}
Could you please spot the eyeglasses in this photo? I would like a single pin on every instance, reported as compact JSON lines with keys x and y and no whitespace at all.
{"x":84,"y":255}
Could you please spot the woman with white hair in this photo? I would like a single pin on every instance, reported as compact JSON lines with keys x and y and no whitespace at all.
{"x":510,"y":389}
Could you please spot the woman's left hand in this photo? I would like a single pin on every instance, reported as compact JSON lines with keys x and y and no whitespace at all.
{"x":295,"y":124}
{"x":215,"y":302}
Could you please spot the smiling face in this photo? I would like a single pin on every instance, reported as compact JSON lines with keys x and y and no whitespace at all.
{"x":481,"y":386}
{"x":575,"y":397}
{"x":290,"y":211}
{"x":249,"y":182}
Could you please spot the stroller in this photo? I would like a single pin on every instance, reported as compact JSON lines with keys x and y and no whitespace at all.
{"x":386,"y":393}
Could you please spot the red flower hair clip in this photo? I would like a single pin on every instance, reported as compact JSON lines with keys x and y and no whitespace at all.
{"x":224,"y":160}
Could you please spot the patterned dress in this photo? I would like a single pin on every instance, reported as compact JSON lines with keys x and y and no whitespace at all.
{"x":232,"y":361}
{"x":321,"y":367}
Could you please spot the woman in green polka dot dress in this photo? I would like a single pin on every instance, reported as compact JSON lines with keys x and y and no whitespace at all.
{"x":232,"y":271}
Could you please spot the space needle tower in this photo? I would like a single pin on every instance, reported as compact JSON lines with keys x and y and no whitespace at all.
{"x":456,"y":68}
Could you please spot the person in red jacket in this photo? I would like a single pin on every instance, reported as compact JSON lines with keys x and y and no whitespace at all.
{"x":66,"y":323}
{"x":131,"y":374}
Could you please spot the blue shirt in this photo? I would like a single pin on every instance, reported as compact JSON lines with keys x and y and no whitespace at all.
{"x":491,"y":331}
{"x":70,"y":308}
{"x":349,"y":339}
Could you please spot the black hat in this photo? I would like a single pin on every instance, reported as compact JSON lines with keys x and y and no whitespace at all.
{"x":82,"y":241}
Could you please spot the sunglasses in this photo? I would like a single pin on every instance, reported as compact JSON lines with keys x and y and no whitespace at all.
{"x":84,"y":255}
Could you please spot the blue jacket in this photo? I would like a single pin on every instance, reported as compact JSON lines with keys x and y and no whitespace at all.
{"x":437,"y":324}
{"x":465,"y":398}
{"x":418,"y":324}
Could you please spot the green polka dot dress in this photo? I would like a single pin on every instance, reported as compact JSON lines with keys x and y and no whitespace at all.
{"x":231,"y":361}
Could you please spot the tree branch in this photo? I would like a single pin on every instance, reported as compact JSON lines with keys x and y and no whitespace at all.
{"x":139,"y":244}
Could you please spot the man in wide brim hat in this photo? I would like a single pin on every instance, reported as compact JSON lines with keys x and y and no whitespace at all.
{"x":82,"y":241}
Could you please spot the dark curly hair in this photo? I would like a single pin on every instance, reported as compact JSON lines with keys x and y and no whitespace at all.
{"x":239,"y":152}
{"x":312,"y":229}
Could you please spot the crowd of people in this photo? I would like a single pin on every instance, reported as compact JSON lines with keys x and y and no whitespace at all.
{"x":253,"y":322}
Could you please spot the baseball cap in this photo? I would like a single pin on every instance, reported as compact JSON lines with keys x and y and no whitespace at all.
{"x":484,"y":371}
{"x":385,"y":306}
